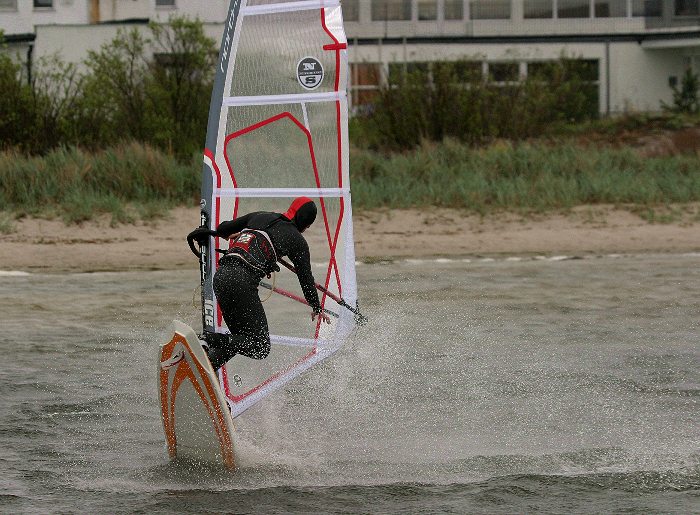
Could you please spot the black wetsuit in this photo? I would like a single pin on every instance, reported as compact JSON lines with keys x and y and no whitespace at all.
{"x":236,"y":287}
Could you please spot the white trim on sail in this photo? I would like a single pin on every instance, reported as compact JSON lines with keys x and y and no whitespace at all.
{"x":303,"y":5}
{"x":281,"y":192}
{"x":295,"y":341}
{"x":293,"y":98}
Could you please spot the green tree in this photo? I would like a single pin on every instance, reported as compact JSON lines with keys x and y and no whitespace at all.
{"x":17,"y":115}
{"x":180,"y":83}
{"x":115,"y":105}
{"x":56,"y":93}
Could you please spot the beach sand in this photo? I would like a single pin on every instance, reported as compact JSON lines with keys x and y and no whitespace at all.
{"x":38,"y":245}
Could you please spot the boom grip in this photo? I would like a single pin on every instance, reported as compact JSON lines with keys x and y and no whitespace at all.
{"x":198,"y":234}
{"x":190,"y":242}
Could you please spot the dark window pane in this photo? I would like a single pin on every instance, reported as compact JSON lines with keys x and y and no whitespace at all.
{"x":687,"y":7}
{"x":584,"y":69}
{"x":365,"y":96}
{"x":610,"y":8}
{"x":391,"y":10}
{"x":43,"y":3}
{"x":647,"y":8}
{"x":458,"y":71}
{"x":574,"y":9}
{"x":418,"y":69}
{"x":454,"y":9}
{"x":396,"y":71}
{"x":541,"y":70}
{"x":351,"y":10}
{"x":538,"y":9}
{"x":489,"y":9}
{"x":365,"y":74}
{"x":503,"y":72}
{"x":427,"y":10}
{"x":8,"y":4}
{"x":165,"y":3}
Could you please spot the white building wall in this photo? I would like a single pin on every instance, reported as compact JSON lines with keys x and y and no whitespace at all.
{"x":639,"y":77}
{"x":23,"y":19}
{"x":72,"y":43}
{"x":212,"y":11}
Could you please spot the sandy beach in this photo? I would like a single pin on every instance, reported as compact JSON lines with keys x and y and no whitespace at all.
{"x":38,"y":245}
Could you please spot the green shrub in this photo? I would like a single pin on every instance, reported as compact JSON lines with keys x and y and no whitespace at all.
{"x":78,"y":185}
{"x":449,"y":100}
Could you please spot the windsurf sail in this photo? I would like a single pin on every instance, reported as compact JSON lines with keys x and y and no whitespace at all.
{"x":277,"y":130}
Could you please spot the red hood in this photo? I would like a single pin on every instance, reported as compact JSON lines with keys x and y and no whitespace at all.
{"x":294,"y":207}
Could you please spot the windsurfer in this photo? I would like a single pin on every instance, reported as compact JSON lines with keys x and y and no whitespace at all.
{"x":258,"y":239}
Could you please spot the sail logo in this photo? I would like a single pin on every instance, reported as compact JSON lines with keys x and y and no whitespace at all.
{"x":209,"y":312}
{"x":309,"y":73}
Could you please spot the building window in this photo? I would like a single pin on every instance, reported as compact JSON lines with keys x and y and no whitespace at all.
{"x":610,"y":8}
{"x":43,"y":4}
{"x":647,"y":8}
{"x":365,"y":79}
{"x":687,"y":8}
{"x":490,"y":9}
{"x":454,"y":9}
{"x":391,"y":10}
{"x":351,"y":10}
{"x":427,"y":10}
{"x":165,"y":3}
{"x":461,"y":72}
{"x":504,"y":72}
{"x":538,"y":9}
{"x":574,"y":9}
{"x":8,"y":5}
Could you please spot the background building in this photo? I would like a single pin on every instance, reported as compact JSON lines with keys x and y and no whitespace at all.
{"x":634,"y":49}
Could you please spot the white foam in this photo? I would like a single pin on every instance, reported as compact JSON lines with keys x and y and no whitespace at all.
{"x":13,"y":273}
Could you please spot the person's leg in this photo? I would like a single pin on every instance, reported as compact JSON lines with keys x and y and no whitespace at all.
{"x":237,"y":294}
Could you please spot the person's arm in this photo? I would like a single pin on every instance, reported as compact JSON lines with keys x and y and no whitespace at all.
{"x":226,"y":229}
{"x":302,"y":263}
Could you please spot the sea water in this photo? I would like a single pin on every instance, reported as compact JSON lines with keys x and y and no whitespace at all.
{"x":487,"y":386}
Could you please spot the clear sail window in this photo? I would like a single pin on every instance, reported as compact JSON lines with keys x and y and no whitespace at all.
{"x":574,"y":9}
{"x":391,"y":10}
{"x":490,"y":9}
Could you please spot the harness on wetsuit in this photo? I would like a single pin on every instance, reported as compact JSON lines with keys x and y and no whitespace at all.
{"x":254,"y":248}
